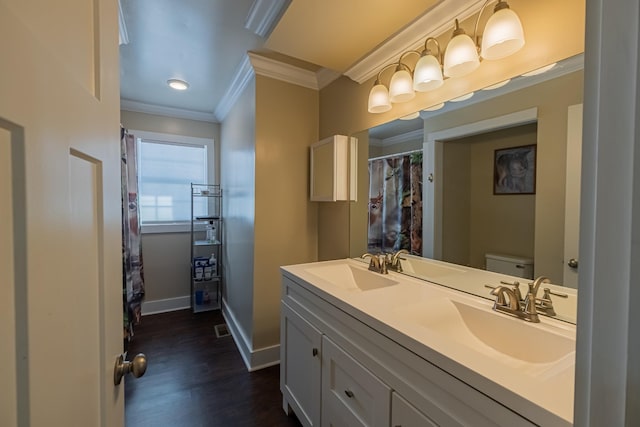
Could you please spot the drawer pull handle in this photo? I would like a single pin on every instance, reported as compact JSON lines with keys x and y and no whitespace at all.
{"x":349,"y":393}
{"x":314,"y":352}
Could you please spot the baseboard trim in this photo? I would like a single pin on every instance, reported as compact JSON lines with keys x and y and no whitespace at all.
{"x":253,"y":359}
{"x":165,"y":305}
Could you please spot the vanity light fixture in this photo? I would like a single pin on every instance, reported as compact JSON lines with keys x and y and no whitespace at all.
{"x":503,"y":35}
{"x":178,"y":84}
{"x":461,"y":57}
{"x":401,"y":85}
{"x":428,"y":72}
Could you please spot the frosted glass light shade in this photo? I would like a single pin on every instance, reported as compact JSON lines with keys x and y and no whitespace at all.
{"x":428,"y":74}
{"x":503,"y":35}
{"x":379,"y":99}
{"x":461,"y":56}
{"x":401,"y":87}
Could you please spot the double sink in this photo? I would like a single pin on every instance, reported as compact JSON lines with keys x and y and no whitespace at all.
{"x":460,"y":332}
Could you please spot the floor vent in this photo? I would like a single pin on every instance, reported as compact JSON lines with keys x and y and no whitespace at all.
{"x":221,"y":330}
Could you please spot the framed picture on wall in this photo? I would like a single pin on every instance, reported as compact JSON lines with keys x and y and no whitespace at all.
{"x":514,"y":170}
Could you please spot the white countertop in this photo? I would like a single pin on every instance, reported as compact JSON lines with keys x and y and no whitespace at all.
{"x":541,"y":390}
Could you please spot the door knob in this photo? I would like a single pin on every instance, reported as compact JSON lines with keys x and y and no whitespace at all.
{"x":137,"y":367}
{"x":573,"y":263}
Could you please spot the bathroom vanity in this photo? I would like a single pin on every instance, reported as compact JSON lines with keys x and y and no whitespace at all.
{"x":360,"y":348}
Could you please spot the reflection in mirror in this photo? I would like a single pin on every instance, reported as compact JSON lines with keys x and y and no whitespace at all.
{"x":467,"y":218}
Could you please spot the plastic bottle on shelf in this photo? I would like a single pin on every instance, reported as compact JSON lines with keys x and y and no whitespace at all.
{"x":210,"y":232}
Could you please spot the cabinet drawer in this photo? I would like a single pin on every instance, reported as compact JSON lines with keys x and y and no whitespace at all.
{"x":351,"y":395}
{"x":404,"y":414}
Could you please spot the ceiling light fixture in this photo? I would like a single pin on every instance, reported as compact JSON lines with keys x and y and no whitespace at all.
{"x":178,"y":84}
{"x":503,"y":36}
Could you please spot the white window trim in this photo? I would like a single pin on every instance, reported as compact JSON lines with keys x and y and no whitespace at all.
{"x":178,"y":226}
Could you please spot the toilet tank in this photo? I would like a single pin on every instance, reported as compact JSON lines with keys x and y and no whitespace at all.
{"x":511,"y":265}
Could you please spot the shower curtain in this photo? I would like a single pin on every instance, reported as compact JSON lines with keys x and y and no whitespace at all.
{"x":395,"y":203}
{"x":132,"y":272}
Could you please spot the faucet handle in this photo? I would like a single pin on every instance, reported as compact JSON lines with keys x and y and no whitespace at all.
{"x":374,"y":260}
{"x":516,"y":288}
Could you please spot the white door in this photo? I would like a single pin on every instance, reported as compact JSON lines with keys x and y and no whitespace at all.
{"x":60,"y":233}
{"x":572,"y":196}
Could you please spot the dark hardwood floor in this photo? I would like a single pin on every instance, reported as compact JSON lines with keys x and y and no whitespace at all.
{"x":195,"y":379}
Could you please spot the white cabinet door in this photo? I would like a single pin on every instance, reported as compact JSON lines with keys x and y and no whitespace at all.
{"x":300,"y":367}
{"x":351,"y":395}
{"x":404,"y":414}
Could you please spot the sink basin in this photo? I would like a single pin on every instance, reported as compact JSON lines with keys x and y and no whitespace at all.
{"x":426,"y":268}
{"x":351,"y":278}
{"x":484,"y":330}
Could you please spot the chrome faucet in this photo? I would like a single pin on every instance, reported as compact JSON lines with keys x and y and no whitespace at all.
{"x":394,"y":264}
{"x":378,"y":263}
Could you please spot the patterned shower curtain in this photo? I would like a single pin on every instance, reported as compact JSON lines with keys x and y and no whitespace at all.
{"x":395,"y":203}
{"x":132,"y":272}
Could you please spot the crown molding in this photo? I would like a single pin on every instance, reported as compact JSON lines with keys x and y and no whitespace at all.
{"x":264,"y":15}
{"x":141,"y":107}
{"x":438,"y":19}
{"x":242,"y":78}
{"x":326,"y":76}
{"x":281,"y":71}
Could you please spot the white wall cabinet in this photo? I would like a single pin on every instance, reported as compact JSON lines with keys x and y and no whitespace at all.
{"x":333,"y":169}
{"x":367,"y":378}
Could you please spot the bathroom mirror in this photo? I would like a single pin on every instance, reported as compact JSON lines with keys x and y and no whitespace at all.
{"x":466,"y":215}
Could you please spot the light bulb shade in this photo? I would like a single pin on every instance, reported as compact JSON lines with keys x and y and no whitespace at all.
{"x":503,"y":35}
{"x":428,"y":74}
{"x":401,"y":87}
{"x":461,"y":56}
{"x":379,"y":99}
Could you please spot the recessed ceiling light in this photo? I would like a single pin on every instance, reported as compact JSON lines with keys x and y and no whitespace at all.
{"x":540,"y":70}
{"x":178,"y":84}
{"x":434,"y":107}
{"x":497,"y":85}
{"x":411,"y":116}
{"x":462,"y":98}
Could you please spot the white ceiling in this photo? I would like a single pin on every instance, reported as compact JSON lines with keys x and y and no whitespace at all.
{"x":206,"y":41}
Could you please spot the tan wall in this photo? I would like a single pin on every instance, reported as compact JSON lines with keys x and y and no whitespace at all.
{"x":237,"y":157}
{"x":475,"y":221}
{"x":166,"y":255}
{"x":285,"y":220}
{"x":166,"y":265}
{"x":456,"y":202}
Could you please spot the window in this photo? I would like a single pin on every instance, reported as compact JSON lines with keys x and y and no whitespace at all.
{"x":167,"y":165}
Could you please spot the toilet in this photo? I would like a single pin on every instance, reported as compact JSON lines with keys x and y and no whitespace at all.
{"x":510,"y":264}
